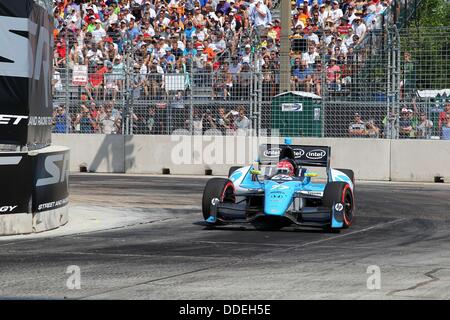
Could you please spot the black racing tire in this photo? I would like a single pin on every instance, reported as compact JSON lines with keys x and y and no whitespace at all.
{"x":233,"y":169}
{"x":219,"y":188}
{"x":349,"y":174}
{"x":340,"y":192}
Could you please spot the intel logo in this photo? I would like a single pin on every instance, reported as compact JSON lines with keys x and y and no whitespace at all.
{"x":316,"y":154}
{"x":275,"y":152}
{"x":299,"y":153}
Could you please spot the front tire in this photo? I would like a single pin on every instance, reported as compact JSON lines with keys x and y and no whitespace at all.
{"x":233,"y":169}
{"x":216,"y":188}
{"x":340,"y":192}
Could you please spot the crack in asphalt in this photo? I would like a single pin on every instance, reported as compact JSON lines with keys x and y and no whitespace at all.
{"x":428,"y":274}
{"x":143,"y":283}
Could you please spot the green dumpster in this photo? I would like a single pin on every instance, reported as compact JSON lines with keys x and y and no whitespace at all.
{"x":297,"y":114}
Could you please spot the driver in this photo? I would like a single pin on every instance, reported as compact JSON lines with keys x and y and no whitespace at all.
{"x":285,"y":167}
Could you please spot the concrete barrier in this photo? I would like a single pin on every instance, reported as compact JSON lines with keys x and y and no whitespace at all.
{"x":99,"y":153}
{"x":371,"y":159}
{"x":420,"y":160}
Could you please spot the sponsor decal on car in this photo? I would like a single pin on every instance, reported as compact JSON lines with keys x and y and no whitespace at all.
{"x":338,"y":207}
{"x":312,"y":193}
{"x":316,"y":154}
{"x":279,"y":187}
{"x":215,"y":201}
{"x":275,"y":152}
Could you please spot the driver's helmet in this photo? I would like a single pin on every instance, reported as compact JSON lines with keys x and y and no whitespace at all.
{"x":285,"y":167}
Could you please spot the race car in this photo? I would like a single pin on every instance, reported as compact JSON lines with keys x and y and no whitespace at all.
{"x":278,"y":190}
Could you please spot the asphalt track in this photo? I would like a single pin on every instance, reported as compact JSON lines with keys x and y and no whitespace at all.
{"x":402,"y":229}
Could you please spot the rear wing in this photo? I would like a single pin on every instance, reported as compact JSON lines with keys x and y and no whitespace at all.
{"x":314,"y":156}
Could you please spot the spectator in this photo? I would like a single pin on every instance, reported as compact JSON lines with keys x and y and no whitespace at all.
{"x":372,"y":130}
{"x":406,"y":124}
{"x":357,"y":128}
{"x":242,"y":123}
{"x":424,"y":126}
{"x":302,"y":77}
{"x":390,"y":123}
{"x":445,"y":135}
{"x":443,"y":115}
{"x":333,"y":75}
{"x":109,"y":122}
{"x":60,"y":120}
{"x":84,"y":123}
{"x":260,"y":16}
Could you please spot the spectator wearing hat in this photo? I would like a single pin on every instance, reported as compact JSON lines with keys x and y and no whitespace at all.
{"x":323,"y":15}
{"x":360,"y":28}
{"x":406,"y":124}
{"x":336,"y":13}
{"x":351,"y":13}
{"x":98,"y":34}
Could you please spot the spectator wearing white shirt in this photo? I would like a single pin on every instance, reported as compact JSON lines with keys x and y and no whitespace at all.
{"x":98,"y":34}
{"x":242,"y":122}
{"x":323,"y":15}
{"x":351,"y":14}
{"x":336,"y":12}
{"x":260,"y":16}
{"x":360,"y":28}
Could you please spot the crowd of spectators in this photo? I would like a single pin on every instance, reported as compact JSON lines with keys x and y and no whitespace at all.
{"x":411,"y":123}
{"x":129,"y":46}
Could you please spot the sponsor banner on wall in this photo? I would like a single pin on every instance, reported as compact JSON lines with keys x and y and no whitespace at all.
{"x":51,"y":181}
{"x":80,"y":75}
{"x":15,"y":183}
{"x":25,"y":73}
{"x":33,"y":183}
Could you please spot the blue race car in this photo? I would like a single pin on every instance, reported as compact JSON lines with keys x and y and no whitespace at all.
{"x":278,"y":191}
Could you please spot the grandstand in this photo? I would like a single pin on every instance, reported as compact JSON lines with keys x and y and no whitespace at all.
{"x":152,"y":67}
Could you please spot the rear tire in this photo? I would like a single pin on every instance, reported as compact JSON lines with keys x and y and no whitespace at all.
{"x":340,"y":192}
{"x":349,"y":174}
{"x":220,"y":188}
{"x":232,"y":169}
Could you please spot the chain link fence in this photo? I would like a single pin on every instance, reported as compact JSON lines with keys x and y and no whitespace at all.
{"x":388,"y":84}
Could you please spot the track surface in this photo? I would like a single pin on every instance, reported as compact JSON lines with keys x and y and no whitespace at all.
{"x":404,"y":229}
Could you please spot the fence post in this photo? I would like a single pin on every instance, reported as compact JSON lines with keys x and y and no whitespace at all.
{"x":67,"y":98}
{"x":191,"y":98}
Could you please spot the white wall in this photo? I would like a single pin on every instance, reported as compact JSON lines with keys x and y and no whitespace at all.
{"x":420,"y":160}
{"x":371,"y":159}
{"x":101,"y":153}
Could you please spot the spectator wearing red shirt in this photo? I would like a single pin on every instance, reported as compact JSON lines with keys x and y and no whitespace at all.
{"x":443,"y":115}
{"x":96,"y":80}
{"x":344,"y":28}
{"x":333,"y":75}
